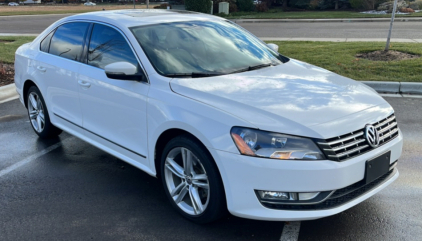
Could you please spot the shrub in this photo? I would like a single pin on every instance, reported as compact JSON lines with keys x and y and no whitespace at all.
{"x":232,"y":8}
{"x":419,"y":2}
{"x":202,"y":6}
{"x":363,"y":4}
{"x":330,"y":4}
{"x":261,"y":7}
{"x":223,"y":15}
{"x":303,"y":4}
{"x":313,"y":4}
{"x":162,"y":6}
{"x":269,"y":2}
{"x":356,"y":4}
{"x":245,"y":5}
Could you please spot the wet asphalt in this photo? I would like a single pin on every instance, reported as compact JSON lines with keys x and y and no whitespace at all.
{"x":78,"y":192}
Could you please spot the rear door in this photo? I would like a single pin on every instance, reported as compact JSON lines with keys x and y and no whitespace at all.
{"x":57,"y":66}
{"x":114,"y":110}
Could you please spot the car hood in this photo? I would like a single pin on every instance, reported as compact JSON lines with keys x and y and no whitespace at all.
{"x":294,"y":98}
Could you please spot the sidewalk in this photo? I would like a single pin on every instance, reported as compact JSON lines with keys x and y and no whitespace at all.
{"x":330,"y":20}
{"x":8,"y":93}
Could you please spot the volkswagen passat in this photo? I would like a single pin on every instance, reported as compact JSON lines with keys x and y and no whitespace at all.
{"x":223,"y":119}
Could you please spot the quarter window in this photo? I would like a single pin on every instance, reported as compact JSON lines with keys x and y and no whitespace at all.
{"x":108,"y":46}
{"x":45,"y":44}
{"x":68,"y":40}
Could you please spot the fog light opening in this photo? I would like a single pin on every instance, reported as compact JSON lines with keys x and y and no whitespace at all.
{"x":285,"y":196}
{"x":273,"y":195}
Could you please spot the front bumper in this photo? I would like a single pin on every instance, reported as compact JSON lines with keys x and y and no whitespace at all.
{"x":242,"y":175}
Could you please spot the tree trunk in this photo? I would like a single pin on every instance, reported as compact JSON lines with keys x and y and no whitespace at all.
{"x":387,"y":45}
{"x":336,"y":6}
{"x":284,"y":7}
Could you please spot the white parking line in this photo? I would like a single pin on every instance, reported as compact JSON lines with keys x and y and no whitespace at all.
{"x":290,"y":231}
{"x":29,"y":159}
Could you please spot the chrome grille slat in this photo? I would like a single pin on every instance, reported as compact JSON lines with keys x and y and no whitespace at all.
{"x":389,"y":127}
{"x":346,"y":138}
{"x":392,"y":132}
{"x":385,"y":121}
{"x":350,"y":152}
{"x":349,"y":145}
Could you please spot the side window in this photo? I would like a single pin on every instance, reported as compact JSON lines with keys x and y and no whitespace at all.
{"x":67,"y":41}
{"x":45,"y":44}
{"x":108,"y":46}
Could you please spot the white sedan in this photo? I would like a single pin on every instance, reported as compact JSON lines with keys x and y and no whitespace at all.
{"x":223,"y":119}
{"x":90,"y":4}
{"x":13,"y":4}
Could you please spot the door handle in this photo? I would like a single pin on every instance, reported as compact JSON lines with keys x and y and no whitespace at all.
{"x":84,"y":84}
{"x":42,"y":69}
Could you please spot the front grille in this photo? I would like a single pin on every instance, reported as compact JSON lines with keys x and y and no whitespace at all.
{"x":343,"y":147}
{"x":339,"y":197}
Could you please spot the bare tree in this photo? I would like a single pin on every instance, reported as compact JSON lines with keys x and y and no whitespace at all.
{"x":393,"y":14}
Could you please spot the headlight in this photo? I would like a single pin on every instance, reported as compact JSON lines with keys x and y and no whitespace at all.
{"x":258,"y":143}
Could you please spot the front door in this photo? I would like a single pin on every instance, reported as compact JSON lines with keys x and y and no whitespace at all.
{"x":113,"y":110}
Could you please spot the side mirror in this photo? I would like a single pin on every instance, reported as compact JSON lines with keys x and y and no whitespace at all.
{"x":273,"y":47}
{"x":122,"y":71}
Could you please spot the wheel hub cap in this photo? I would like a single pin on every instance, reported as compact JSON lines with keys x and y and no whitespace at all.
{"x":188,"y":180}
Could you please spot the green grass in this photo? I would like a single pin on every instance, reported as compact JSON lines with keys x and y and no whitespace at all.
{"x":340,"y":58}
{"x":279,"y":14}
{"x":7,"y":49}
{"x":337,"y":57}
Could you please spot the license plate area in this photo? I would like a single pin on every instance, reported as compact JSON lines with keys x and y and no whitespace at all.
{"x":377,"y":167}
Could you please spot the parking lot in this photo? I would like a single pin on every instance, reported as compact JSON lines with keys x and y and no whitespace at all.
{"x":66,"y":189}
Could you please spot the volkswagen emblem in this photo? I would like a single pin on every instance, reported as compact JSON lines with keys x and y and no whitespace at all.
{"x":372,"y":136}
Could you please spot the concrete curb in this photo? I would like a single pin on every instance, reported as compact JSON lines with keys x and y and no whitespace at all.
{"x":8,"y":93}
{"x":407,"y":88}
{"x":333,"y":20}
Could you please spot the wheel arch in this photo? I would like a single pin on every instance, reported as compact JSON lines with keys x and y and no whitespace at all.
{"x":28,"y":83}
{"x":171,"y":133}
{"x":165,"y":137}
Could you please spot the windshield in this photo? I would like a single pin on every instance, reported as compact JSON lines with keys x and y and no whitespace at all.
{"x":202,"y":48}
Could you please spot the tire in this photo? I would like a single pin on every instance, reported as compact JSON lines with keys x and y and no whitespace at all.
{"x":203,"y":184}
{"x":38,"y":115}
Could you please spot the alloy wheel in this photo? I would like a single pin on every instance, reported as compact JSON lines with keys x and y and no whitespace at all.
{"x":36,"y":112}
{"x":187,"y":181}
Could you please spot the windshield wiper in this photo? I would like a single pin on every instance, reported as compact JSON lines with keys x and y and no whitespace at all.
{"x":193,"y":75}
{"x":250,"y":68}
{"x":210,"y":74}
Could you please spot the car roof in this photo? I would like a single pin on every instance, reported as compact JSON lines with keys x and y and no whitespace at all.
{"x":136,"y":17}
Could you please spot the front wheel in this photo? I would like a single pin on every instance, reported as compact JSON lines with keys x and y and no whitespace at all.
{"x":38,"y":115}
{"x":192,"y":181}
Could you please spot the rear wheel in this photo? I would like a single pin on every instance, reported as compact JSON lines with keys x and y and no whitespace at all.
{"x":192,"y":181}
{"x":38,"y":115}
